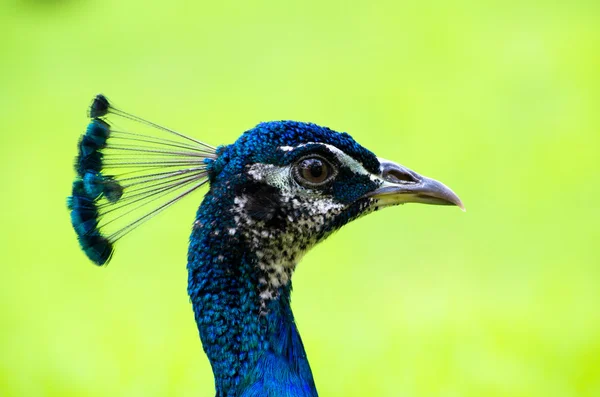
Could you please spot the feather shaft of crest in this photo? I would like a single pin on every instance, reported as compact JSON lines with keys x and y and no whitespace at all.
{"x":121,"y":171}
{"x":157,"y":126}
{"x":143,"y":149}
{"x":164,"y":178}
{"x":166,"y":142}
{"x":154,"y":212}
{"x":146,"y":192}
{"x":161,"y":174}
{"x":134,"y":163}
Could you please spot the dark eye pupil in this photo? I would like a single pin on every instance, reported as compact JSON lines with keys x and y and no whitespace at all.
{"x":314,"y":170}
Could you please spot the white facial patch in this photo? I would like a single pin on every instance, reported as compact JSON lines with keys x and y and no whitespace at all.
{"x":270,"y":174}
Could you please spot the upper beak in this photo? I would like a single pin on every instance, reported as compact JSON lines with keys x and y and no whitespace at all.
{"x":401,"y":185}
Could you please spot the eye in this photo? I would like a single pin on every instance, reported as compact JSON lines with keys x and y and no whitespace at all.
{"x":313,"y":171}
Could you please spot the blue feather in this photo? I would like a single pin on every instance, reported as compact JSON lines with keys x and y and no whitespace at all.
{"x":117,"y":178}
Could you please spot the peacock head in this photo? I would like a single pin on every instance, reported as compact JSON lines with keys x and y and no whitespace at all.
{"x":291,"y":184}
{"x":284,"y":185}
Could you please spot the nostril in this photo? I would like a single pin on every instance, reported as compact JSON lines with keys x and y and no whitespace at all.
{"x":398,"y":176}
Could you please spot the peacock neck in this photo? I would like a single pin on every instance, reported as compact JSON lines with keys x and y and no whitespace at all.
{"x":252,"y":343}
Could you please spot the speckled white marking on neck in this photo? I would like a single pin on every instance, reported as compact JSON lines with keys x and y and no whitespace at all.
{"x":278,"y":250}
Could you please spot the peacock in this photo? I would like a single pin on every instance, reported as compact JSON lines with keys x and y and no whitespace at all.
{"x":277,"y":191}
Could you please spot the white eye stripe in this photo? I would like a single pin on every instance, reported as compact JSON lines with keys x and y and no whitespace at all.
{"x":347,"y":161}
{"x":342,"y":157}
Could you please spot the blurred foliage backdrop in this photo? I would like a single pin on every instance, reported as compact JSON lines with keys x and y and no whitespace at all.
{"x":500,"y":101}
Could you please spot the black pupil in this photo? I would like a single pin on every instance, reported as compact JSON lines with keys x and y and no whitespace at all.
{"x":315,"y":167}
{"x":313,"y":170}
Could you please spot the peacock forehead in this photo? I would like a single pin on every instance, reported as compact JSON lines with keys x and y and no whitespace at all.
{"x":261,"y":144}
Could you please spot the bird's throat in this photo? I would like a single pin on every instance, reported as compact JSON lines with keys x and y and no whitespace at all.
{"x":252,"y":343}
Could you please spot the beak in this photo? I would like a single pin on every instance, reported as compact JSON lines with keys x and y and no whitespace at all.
{"x":401,"y":185}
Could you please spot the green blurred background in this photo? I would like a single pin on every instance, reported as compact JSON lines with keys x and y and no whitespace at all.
{"x":500,"y":101}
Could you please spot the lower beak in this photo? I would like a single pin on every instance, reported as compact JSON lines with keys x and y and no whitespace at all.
{"x":401,"y":185}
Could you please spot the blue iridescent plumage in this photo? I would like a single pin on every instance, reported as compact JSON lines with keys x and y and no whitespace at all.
{"x":281,"y":188}
{"x":120,"y":173}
